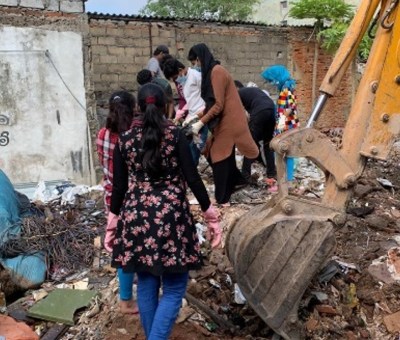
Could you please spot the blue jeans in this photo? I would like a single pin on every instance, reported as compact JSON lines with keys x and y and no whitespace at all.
{"x":125,"y":285}
{"x":290,"y":168}
{"x":158,"y":315}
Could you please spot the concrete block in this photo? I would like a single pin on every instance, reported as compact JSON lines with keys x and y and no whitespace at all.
{"x":107,"y":59}
{"x":128,"y":78}
{"x":97,"y":31}
{"x":114,"y":31}
{"x":109,"y":77}
{"x":53,"y":5}
{"x":106,"y":41}
{"x":69,"y":6}
{"x":8,"y":2}
{"x":125,"y":59}
{"x":119,"y":41}
{"x":112,"y":50}
{"x":32,"y":3}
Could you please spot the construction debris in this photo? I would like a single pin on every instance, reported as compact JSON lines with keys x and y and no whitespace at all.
{"x":355,"y":295}
{"x":61,"y":305}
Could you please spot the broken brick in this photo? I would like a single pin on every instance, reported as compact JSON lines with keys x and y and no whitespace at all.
{"x":326,"y":309}
{"x":311,"y":325}
{"x":392,"y":322}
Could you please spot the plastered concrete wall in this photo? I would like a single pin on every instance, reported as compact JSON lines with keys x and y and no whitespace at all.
{"x":58,"y":151}
{"x":42,"y":105}
{"x":121,"y":48}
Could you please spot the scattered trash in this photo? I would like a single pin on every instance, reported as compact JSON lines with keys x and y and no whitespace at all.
{"x":83,"y":284}
{"x":320,"y":296}
{"x":211,"y":326}
{"x":239,"y":298}
{"x":214,"y":283}
{"x":385,"y":183}
{"x":351,"y":299}
{"x":345,"y":265}
{"x":330,"y":270}
{"x":342,"y":301}
{"x":228,"y":280}
{"x":393,"y":263}
{"x":39,"y":294}
{"x":201,"y":229}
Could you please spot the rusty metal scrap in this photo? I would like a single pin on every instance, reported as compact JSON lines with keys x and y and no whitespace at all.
{"x":66,"y":242}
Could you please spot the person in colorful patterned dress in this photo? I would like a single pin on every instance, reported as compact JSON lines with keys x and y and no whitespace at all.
{"x":286,"y":105}
{"x":155,"y":235}
{"x":121,"y":110}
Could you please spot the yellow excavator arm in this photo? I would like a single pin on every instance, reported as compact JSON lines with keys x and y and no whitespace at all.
{"x":277,"y":248}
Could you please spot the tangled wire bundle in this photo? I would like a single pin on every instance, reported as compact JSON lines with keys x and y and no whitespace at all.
{"x":67,"y":245}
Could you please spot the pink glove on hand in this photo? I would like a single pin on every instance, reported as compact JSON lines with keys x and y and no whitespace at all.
{"x":111,"y":229}
{"x":214,"y":232}
{"x":180,"y":114}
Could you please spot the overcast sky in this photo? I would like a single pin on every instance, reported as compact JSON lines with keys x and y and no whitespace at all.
{"x":115,"y":6}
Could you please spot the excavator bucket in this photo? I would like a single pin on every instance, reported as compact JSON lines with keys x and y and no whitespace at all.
{"x":276,"y":249}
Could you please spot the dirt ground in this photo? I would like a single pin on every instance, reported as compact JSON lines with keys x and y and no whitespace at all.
{"x":354,"y":303}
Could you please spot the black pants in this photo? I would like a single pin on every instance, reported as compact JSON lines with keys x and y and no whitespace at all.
{"x":262,"y":126}
{"x":226,"y":177}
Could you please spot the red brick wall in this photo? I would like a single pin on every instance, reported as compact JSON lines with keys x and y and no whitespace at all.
{"x":301,"y":63}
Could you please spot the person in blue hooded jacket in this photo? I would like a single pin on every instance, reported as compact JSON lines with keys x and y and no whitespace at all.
{"x":286,"y":105}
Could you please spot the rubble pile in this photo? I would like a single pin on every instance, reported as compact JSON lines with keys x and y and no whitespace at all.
{"x":354,"y":296}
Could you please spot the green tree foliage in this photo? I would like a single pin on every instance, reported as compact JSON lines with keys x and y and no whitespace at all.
{"x":332,"y":36}
{"x":335,"y":12}
{"x":201,"y":9}
{"x":321,"y":10}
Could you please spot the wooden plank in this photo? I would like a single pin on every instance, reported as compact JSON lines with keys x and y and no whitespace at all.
{"x":225,"y":324}
{"x":55,"y":332}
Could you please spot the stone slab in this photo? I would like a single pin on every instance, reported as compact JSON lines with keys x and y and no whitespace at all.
{"x":61,"y":304}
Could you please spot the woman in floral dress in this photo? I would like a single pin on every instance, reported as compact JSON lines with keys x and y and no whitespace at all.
{"x":155,"y":234}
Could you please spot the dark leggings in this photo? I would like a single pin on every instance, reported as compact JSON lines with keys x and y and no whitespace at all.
{"x":226,"y":177}
{"x":262,"y":126}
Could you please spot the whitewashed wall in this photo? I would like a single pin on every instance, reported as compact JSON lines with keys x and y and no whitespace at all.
{"x":43,"y":128}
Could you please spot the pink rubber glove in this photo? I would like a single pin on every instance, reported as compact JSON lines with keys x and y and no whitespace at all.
{"x":111,"y":229}
{"x":180,"y":114}
{"x":214,"y":233}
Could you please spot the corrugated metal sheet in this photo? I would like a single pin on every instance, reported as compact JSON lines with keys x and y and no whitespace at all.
{"x":96,"y":15}
{"x":122,"y":17}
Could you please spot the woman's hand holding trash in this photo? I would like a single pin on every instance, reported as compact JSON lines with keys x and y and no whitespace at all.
{"x":214,"y":233}
{"x":196,"y":127}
